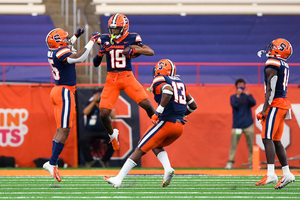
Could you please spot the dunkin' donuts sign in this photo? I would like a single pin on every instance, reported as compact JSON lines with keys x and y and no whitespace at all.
{"x":12,"y":127}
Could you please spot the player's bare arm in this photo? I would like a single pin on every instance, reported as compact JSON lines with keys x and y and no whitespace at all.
{"x":166,"y":95}
{"x":145,"y":50}
{"x":270,"y":88}
{"x":191,"y":105}
{"x":166,"y":91}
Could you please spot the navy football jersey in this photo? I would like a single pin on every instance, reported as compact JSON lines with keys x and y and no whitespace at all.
{"x":114,"y":58}
{"x":176,"y":107}
{"x":63,"y":74}
{"x":283,"y":76}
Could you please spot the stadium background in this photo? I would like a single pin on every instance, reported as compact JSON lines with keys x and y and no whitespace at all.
{"x":211,"y":51}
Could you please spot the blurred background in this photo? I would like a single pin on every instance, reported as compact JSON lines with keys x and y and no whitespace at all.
{"x":212,"y":43}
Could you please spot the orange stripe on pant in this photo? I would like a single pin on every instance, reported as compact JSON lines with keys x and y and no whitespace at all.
{"x":272,"y":126}
{"x":160,"y":135}
{"x":63,"y":102}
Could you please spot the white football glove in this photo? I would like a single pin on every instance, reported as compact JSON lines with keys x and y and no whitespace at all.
{"x":259,"y":53}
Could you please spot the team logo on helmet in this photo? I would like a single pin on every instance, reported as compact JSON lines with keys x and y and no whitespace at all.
{"x":164,"y":67}
{"x":280,"y":48}
{"x":57,"y":38}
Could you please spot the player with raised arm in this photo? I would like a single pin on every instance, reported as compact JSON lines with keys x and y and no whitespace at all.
{"x":120,"y":46}
{"x":62,"y":61}
{"x":275,"y":110}
{"x":174,"y":102}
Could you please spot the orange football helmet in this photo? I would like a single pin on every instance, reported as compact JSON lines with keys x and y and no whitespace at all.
{"x":164,"y":67}
{"x":57,"y":38}
{"x":280,"y":48}
{"x":118,"y":21}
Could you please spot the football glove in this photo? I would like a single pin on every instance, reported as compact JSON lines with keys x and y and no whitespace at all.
{"x":260,"y":116}
{"x":95,"y":36}
{"x":129,"y":52}
{"x":104,"y":48}
{"x":155,"y":118}
{"x":79,"y":32}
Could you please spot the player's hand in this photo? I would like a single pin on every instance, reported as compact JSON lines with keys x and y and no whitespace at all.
{"x":129,"y":52}
{"x":95,"y":36}
{"x":260,"y":116}
{"x":79,"y":32}
{"x":155,"y":117}
{"x":104,"y":48}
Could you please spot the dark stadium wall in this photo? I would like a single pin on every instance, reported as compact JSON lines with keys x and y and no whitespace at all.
{"x":127,"y":121}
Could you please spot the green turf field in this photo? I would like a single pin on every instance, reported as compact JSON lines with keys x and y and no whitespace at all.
{"x":143,"y":187}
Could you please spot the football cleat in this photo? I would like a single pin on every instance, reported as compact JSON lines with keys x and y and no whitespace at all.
{"x":57,"y":38}
{"x":113,"y":181}
{"x":284,"y":181}
{"x":168,"y":178}
{"x":164,"y":67}
{"x":53,"y":170}
{"x":115,"y":142}
{"x":267,"y":179}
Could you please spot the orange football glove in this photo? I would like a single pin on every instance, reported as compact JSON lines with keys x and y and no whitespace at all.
{"x":155,"y":117}
{"x":260,"y":116}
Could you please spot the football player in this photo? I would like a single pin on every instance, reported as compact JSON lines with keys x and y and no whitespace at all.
{"x":62,"y":61}
{"x":116,"y":47}
{"x":174,"y":102}
{"x":275,"y":110}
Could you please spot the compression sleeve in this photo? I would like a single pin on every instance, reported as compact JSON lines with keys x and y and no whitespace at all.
{"x":88,"y":47}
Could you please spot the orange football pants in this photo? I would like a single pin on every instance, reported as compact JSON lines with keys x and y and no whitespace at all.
{"x":117,"y":81}
{"x":63,"y":101}
{"x":272,"y":125}
{"x":160,"y":135}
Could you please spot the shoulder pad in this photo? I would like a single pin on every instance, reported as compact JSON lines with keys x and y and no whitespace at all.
{"x":62,"y":51}
{"x":273,"y":62}
{"x":158,"y":79}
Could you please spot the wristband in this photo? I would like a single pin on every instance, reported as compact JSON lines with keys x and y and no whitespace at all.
{"x":73,"y":39}
{"x":160,"y":109}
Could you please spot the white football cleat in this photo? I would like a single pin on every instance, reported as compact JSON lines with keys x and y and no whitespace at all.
{"x":168,"y":178}
{"x":285,"y":180}
{"x":115,"y":142}
{"x":53,"y":170}
{"x":113,"y":181}
{"x":269,"y":178}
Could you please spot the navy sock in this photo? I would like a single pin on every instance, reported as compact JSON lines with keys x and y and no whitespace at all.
{"x":57,"y":148}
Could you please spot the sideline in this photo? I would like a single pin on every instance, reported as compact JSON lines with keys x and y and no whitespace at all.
{"x":101,"y":172}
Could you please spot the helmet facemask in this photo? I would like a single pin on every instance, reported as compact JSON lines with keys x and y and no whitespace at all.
{"x":120,"y":22}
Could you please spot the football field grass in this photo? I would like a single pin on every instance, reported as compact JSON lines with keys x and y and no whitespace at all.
{"x":143,"y":187}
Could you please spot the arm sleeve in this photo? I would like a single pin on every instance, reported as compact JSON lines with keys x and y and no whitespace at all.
{"x":97,"y":60}
{"x":80,"y":59}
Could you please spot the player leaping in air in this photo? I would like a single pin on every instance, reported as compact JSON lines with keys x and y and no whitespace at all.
{"x":62,"y":61}
{"x":118,"y":50}
{"x":275,"y":110}
{"x":174,"y":102}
